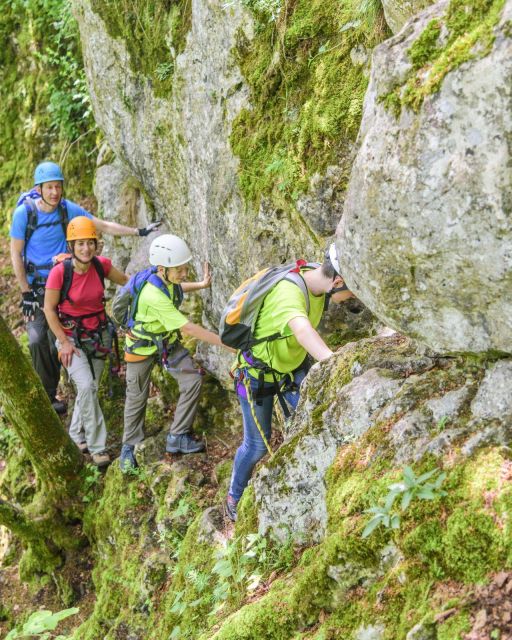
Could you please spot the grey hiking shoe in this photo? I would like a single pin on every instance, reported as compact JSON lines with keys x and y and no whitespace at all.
{"x":101,"y":459}
{"x":184,"y":443}
{"x":231,"y":507}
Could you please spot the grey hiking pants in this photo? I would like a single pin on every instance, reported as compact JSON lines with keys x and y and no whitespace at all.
{"x":87,"y":423}
{"x":138,"y":375}
{"x":41,"y":343}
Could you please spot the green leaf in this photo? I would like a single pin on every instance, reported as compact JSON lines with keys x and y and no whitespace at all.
{"x":176,"y":632}
{"x":395,"y":521}
{"x":392,"y":495}
{"x":409,"y":477}
{"x":426,"y":476}
{"x":41,"y":621}
{"x":251,"y":539}
{"x":223,"y":568}
{"x":439,"y":481}
{"x":371,"y":526}
{"x":406,"y":500}
{"x":426,"y":494}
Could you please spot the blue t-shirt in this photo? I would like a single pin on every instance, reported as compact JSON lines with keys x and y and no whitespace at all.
{"x":46,"y":242}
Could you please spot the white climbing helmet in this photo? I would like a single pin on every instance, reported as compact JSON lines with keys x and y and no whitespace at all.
{"x":169,"y":251}
{"x":333,"y":257}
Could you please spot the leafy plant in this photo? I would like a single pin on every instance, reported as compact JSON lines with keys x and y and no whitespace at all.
{"x":41,"y":623}
{"x":91,"y":480}
{"x":411,"y":487}
{"x":441,"y":425}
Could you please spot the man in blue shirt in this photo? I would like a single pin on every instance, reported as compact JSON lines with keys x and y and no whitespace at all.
{"x":37,"y":235}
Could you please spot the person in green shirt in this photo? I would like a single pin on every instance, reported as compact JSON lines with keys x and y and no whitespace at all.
{"x":285,"y":312}
{"x":156,"y":335}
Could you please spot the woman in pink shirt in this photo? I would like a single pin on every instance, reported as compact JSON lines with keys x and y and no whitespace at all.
{"x":74,"y":306}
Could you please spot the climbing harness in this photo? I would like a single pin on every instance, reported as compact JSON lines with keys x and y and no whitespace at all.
{"x":254,"y":417}
{"x":92,"y":341}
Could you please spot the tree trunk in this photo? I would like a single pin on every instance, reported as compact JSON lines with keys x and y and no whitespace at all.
{"x":54,"y":456}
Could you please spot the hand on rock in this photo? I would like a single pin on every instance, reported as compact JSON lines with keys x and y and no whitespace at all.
{"x":207,"y":276}
{"x":153,"y":226}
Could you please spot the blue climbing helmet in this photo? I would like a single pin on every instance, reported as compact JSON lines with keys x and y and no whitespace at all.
{"x":47,"y":172}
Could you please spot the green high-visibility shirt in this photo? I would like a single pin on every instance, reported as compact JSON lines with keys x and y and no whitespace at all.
{"x":285,"y":302}
{"x":158,"y":314}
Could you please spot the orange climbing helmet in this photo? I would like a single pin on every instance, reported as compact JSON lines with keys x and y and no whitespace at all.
{"x":81,"y":228}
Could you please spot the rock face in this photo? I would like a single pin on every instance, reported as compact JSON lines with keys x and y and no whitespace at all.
{"x":426,"y":405}
{"x":397,"y":12}
{"x":178,"y":147}
{"x":120,"y":198}
{"x":426,"y":236}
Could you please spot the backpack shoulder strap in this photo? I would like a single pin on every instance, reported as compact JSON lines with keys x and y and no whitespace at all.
{"x":67,"y":280}
{"x":297,"y":279}
{"x":99,"y":270}
{"x":31,"y":209}
{"x":159,"y":284}
{"x":64,"y":217}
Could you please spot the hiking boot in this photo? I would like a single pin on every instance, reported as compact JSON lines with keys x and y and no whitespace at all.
{"x":183,"y":443}
{"x":127,"y":460}
{"x":83,"y":447}
{"x":58,"y":406}
{"x":101,"y":459}
{"x":231,"y":506}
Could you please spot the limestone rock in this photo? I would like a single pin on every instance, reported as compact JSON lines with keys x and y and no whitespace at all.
{"x":370,"y":632}
{"x":397,"y":12}
{"x":494,"y":397}
{"x":290,"y":490}
{"x":120,"y":199}
{"x":422,"y":631}
{"x":426,"y":236}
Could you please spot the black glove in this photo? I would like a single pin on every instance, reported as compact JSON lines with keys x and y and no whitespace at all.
{"x":29,"y":305}
{"x":145,"y":231}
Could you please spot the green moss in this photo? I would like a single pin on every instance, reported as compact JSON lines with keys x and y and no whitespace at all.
{"x":472,"y":545}
{"x":425,"y":47}
{"x":470,"y":35}
{"x":153,"y":32}
{"x":454,"y":627}
{"x":306,"y":97}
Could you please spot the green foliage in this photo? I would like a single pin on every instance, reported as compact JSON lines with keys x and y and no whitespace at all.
{"x":92,"y":477}
{"x":154,"y":32}
{"x":41,"y":622}
{"x":44,"y":103}
{"x":411,"y":487}
{"x":306,"y":94}
{"x":8,"y":438}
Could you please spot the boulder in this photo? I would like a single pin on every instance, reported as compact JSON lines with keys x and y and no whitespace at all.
{"x":425,"y":240}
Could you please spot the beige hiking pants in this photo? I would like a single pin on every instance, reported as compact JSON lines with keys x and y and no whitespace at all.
{"x":138,"y":375}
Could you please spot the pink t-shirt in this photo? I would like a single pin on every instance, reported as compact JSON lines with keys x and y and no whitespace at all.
{"x":86,"y":293}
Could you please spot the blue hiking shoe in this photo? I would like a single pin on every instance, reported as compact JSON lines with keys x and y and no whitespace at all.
{"x":127,"y":460}
{"x":184,"y":443}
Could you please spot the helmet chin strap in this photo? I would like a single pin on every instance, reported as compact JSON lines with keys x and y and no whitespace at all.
{"x":337,"y":290}
{"x":164,"y":275}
